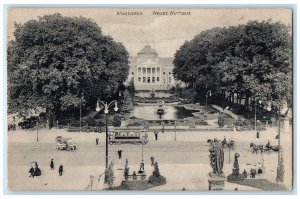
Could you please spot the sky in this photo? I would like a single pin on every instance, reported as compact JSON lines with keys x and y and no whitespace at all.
{"x":165,"y":33}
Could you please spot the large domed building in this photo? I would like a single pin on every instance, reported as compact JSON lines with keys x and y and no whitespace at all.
{"x":151,"y":72}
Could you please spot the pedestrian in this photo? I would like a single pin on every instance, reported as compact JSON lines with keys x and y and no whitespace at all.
{"x":259,"y":171}
{"x":120,"y":154}
{"x":61,"y":170}
{"x":253,"y":173}
{"x":126,"y":163}
{"x":97,"y":141}
{"x":152,"y":161}
{"x":142,"y":167}
{"x":31,"y":171}
{"x":37,"y":170}
{"x":257,"y":134}
{"x":156,"y":135}
{"x":87,"y":128}
{"x":245,"y":173}
{"x":134,"y":176}
{"x":234,"y":129}
{"x":52,"y":165}
{"x":268,"y":144}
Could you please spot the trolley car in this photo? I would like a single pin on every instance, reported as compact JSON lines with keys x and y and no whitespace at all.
{"x":128,"y":136}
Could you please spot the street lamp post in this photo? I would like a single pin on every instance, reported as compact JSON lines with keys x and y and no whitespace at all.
{"x":282,"y":110}
{"x":280,"y":167}
{"x":208,"y":92}
{"x":106,"y":110}
{"x":175,"y":130}
{"x":37,"y":130}
{"x":142,"y":151}
{"x":80,"y":112}
{"x":255,"y":115}
{"x":92,"y":180}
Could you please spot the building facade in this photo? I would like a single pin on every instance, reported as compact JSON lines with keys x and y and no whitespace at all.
{"x":151,"y":72}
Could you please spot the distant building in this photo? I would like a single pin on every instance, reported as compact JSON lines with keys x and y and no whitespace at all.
{"x":151,"y":72}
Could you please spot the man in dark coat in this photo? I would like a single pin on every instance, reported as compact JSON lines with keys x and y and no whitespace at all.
{"x":120,"y":154}
{"x":37,"y":170}
{"x":61,"y":170}
{"x":156,"y":134}
{"x":31,"y":171}
{"x":52,"y":165}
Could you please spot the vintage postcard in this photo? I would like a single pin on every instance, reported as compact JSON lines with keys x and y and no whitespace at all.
{"x":153,"y":99}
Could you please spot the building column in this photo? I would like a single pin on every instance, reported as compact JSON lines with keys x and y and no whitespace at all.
{"x":145,"y":75}
{"x":153,"y":73}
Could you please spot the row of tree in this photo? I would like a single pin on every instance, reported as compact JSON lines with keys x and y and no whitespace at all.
{"x":252,"y":62}
{"x":62,"y":63}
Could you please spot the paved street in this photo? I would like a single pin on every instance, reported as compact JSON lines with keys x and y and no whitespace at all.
{"x":183,"y":162}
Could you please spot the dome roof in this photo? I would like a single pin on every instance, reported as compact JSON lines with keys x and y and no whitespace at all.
{"x":147,"y":50}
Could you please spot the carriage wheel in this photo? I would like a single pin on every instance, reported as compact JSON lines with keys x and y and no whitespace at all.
{"x":72,"y":149}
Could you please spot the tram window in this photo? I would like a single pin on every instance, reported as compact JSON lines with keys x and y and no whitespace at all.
{"x":117,"y":133}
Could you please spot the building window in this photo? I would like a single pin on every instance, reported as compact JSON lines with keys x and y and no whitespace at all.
{"x":132,"y":73}
{"x":169,"y":79}
{"x":153,"y":79}
{"x":148,"y":80}
{"x":164,"y":73}
{"x":144,"y":70}
{"x":164,"y":80}
{"x":170,"y":73}
{"x":144,"y":79}
{"x":157,"y":79}
{"x":153,"y":70}
{"x":139,"y":79}
{"x":158,"y":70}
{"x":139,"y":70}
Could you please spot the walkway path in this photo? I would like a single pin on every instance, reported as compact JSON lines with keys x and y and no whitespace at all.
{"x":225,"y":111}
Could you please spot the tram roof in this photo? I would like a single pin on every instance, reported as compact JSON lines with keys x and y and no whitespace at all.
{"x":127,"y":129}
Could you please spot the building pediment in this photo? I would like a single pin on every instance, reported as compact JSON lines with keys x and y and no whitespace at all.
{"x":148,"y":62}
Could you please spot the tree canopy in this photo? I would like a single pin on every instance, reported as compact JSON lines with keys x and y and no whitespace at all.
{"x":58,"y":62}
{"x":252,"y":60}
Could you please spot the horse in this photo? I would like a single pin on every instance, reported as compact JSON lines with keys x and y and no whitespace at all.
{"x":273,"y":148}
{"x":257,"y":147}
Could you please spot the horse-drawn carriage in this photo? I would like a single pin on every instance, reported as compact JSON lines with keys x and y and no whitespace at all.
{"x":65,"y":144}
{"x":267,"y":148}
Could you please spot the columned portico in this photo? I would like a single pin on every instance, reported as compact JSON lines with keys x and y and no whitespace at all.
{"x":151,"y":72}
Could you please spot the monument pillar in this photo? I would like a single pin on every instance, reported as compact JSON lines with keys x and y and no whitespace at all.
{"x":216,"y":182}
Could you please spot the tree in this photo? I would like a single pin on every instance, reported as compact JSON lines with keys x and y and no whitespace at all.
{"x":252,"y":60}
{"x":61,"y":62}
{"x":131,"y":88}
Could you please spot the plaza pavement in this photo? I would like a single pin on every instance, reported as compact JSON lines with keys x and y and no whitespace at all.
{"x":188,"y":175}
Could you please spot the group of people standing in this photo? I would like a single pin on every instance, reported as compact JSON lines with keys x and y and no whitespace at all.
{"x":60,"y":169}
{"x":36,"y":171}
